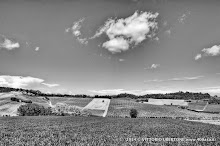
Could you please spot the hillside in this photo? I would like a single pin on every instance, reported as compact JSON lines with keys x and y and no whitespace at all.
{"x":10,"y":102}
{"x":119,"y":106}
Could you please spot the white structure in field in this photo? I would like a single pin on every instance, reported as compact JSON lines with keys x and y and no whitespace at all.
{"x":100,"y":104}
{"x":167,"y":102}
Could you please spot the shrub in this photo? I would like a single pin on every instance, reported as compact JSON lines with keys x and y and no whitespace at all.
{"x":133,"y":113}
{"x":68,"y":110}
{"x":15,"y":99}
{"x":33,"y":110}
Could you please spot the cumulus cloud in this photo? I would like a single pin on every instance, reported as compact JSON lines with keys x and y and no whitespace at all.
{"x":135,"y":92}
{"x":153,"y":66}
{"x":9,"y":44}
{"x":18,"y":81}
{"x":75,"y":30}
{"x":37,"y":48}
{"x":125,"y":32}
{"x":212,"y":51}
{"x":116,"y":45}
{"x":50,"y":85}
{"x":22,"y":82}
{"x":198,"y":56}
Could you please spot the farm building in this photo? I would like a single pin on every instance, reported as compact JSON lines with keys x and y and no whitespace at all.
{"x":167,"y":102}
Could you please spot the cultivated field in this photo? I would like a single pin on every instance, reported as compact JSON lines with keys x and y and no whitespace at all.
{"x":197,"y":105}
{"x":212,"y":108}
{"x":64,"y":131}
{"x":81,"y":102}
{"x":121,"y":108}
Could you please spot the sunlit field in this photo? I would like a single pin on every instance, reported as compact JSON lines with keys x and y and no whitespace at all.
{"x":101,"y":131}
{"x":121,"y":108}
{"x":81,"y":102}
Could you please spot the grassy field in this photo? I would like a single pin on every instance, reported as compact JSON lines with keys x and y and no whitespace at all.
{"x":102,"y":131}
{"x":212,"y":108}
{"x":82,"y":102}
{"x":197,"y":105}
{"x":121,"y":108}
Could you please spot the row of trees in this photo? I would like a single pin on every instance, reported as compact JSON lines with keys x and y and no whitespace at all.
{"x":176,"y":95}
{"x":32,"y":109}
{"x":39,"y":93}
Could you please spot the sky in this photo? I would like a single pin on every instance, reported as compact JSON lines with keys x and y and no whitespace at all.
{"x":110,"y":46}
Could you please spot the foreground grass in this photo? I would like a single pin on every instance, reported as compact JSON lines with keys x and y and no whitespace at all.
{"x":101,"y":131}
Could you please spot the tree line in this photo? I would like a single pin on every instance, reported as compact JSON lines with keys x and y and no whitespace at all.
{"x":177,"y":95}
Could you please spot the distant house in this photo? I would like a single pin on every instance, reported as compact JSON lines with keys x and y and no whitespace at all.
{"x":167,"y":102}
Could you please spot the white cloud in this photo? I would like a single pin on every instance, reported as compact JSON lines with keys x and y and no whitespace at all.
{"x":212,"y":90}
{"x":50,"y":85}
{"x":18,"y":81}
{"x":116,"y":45}
{"x":176,"y":79}
{"x":22,"y":82}
{"x":122,"y":33}
{"x":119,"y":91}
{"x":37,"y":48}
{"x":213,"y":51}
{"x":186,"y":78}
{"x":135,"y":92}
{"x":121,"y":60}
{"x":198,"y":56}
{"x":154,"y":66}
{"x":75,"y":30}
{"x":9,"y":44}
{"x":155,"y":80}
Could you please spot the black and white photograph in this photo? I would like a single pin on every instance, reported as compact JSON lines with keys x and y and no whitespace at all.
{"x":109,"y":73}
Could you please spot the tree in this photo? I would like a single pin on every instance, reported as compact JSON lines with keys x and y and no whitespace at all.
{"x":133,"y":113}
{"x":33,"y":110}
